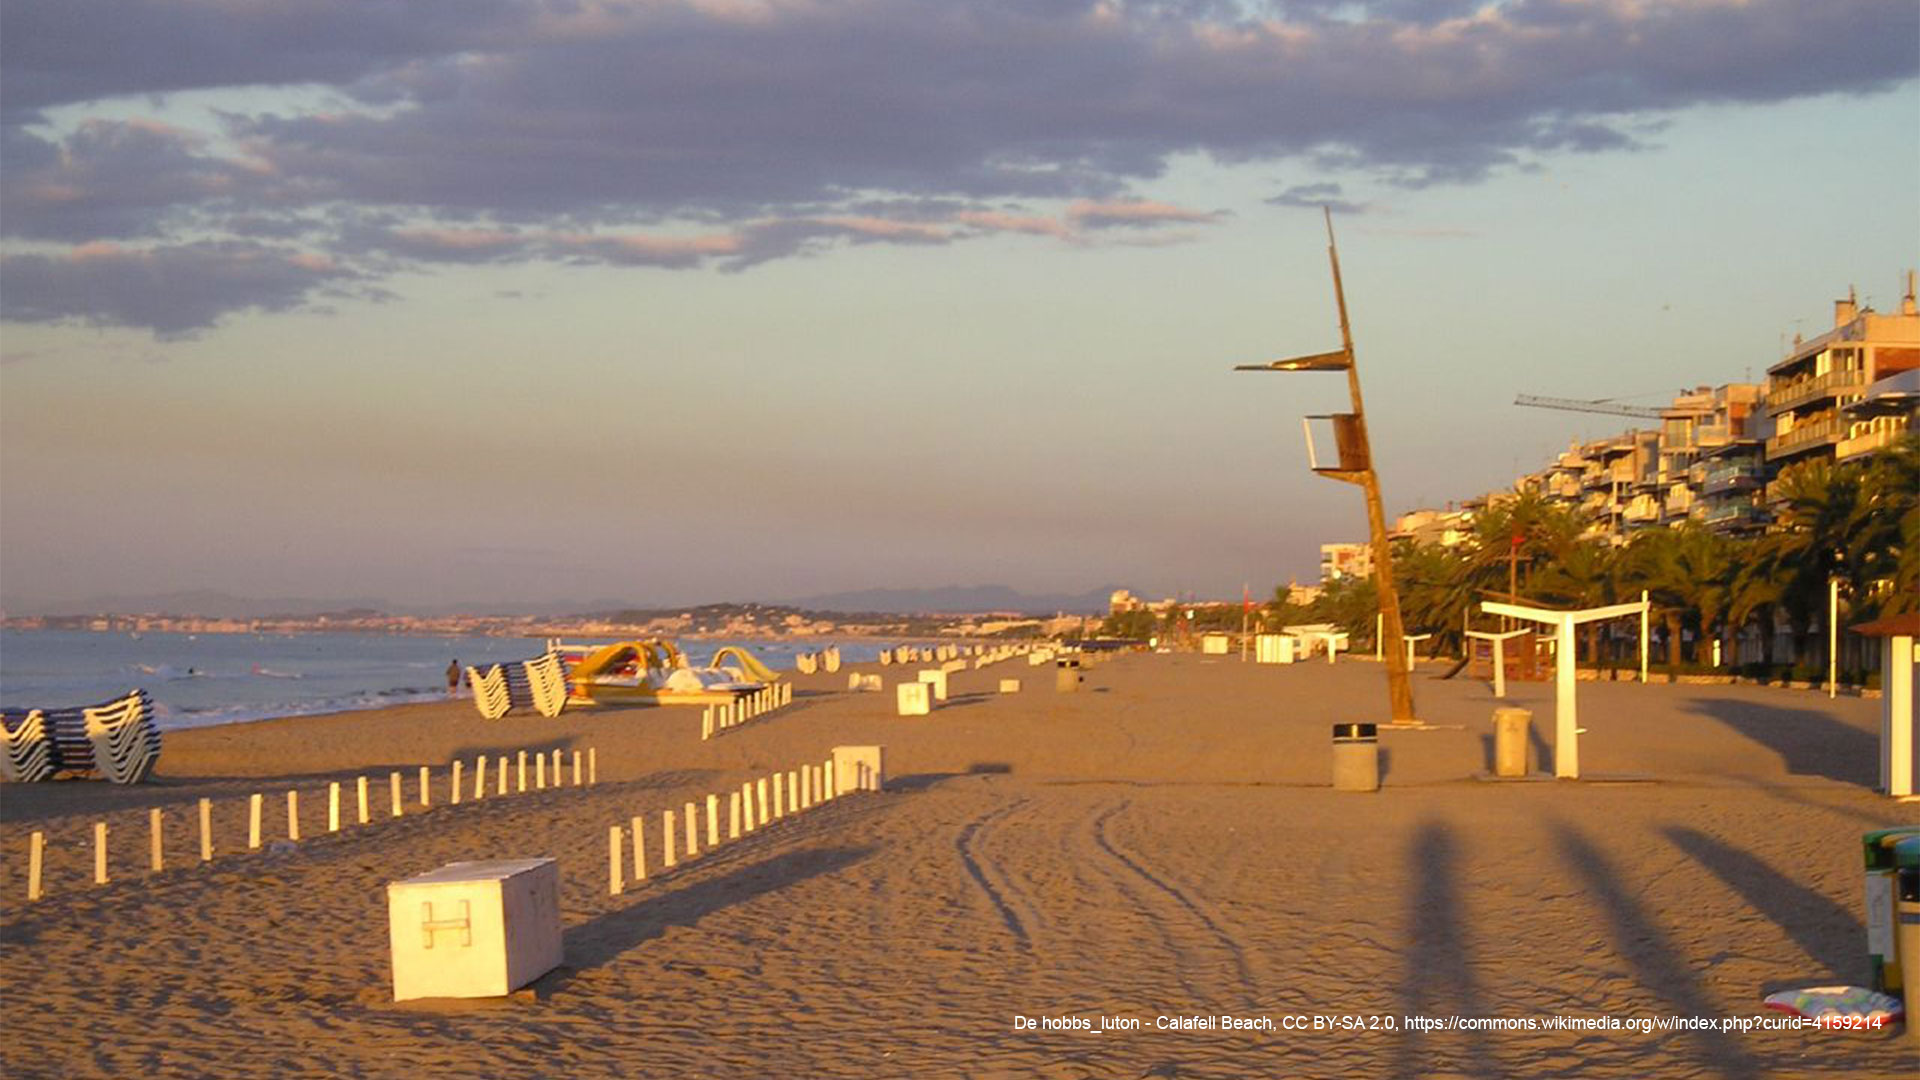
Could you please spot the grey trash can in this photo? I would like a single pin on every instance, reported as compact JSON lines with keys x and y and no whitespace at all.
{"x":1356,"y":757}
{"x":1512,"y":742}
{"x":1066,"y":676}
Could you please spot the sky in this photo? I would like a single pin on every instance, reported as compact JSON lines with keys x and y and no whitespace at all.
{"x":551,"y":301}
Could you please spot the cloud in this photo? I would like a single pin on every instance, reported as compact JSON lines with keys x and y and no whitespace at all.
{"x":724,"y":133}
{"x":175,"y":291}
{"x":1315,"y":196}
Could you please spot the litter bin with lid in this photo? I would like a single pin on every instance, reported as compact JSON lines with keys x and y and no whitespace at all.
{"x":1356,"y":757}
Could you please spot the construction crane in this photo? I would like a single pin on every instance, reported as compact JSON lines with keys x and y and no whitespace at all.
{"x":1600,"y":405}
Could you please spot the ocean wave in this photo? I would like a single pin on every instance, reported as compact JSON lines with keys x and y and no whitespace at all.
{"x":175,"y":719}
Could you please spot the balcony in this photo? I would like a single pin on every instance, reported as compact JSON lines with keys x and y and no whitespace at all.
{"x":1731,"y":515}
{"x":1866,"y":442}
{"x":1732,"y":478}
{"x":1642,"y":512}
{"x":1808,"y":436}
{"x":1679,"y":504}
{"x":1801,"y":391}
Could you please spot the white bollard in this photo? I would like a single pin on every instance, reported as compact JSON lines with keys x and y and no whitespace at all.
{"x":576,"y":768}
{"x":760,"y":817}
{"x":779,"y":796}
{"x":666,"y":840}
{"x":713,"y":821}
{"x":100,"y":853}
{"x":333,"y":806}
{"x":826,"y":780}
{"x":293,"y":815}
{"x":500,"y":775}
{"x":206,"y":830}
{"x":556,"y":769}
{"x":361,"y":783}
{"x":539,"y":772}
{"x":693,"y":831}
{"x":793,"y":791}
{"x":593,"y":765}
{"x":393,"y":785}
{"x":706,"y":724}
{"x":453,"y":793}
{"x":521,"y":762}
{"x":426,"y":786}
{"x":253,"y":822}
{"x":733,"y":816}
{"x":479,"y":777}
{"x":747,"y":823}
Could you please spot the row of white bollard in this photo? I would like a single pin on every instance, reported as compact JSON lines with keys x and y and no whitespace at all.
{"x":718,"y":719}
{"x":586,"y":770}
{"x":756,"y":804}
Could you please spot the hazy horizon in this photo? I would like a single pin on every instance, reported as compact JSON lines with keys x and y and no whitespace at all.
{"x":685,"y":302}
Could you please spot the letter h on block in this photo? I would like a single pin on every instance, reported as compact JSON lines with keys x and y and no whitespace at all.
{"x":429,"y":924}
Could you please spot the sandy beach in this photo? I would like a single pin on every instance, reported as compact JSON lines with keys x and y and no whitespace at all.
{"x":1163,"y":844}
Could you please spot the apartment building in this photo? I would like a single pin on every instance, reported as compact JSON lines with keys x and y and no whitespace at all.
{"x":1817,"y":395}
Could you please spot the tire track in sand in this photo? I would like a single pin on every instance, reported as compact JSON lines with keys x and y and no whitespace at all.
{"x":1007,"y":900}
{"x":1187,"y":929}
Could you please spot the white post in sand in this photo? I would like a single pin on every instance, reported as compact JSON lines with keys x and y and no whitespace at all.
{"x":539,"y":772}
{"x":793,"y":792}
{"x":747,"y":823}
{"x":576,"y":768}
{"x":666,"y":840}
{"x":733,"y":815}
{"x":760,"y":818}
{"x":36,"y":859}
{"x":826,"y":780}
{"x":206,"y":830}
{"x":1566,"y":746}
{"x":639,"y":853}
{"x":593,"y":765}
{"x":293,"y":815}
{"x":614,"y":855}
{"x":253,"y":822}
{"x":479,"y":777}
{"x":1499,"y":655}
{"x":779,"y":800}
{"x":1833,"y":638}
{"x":156,"y":857}
{"x":393,"y":790}
{"x":362,"y":785}
{"x":556,"y":769}
{"x":713,"y":821}
{"x":453,"y":795}
{"x":706,"y":723}
{"x":426,"y":786}
{"x":100,"y":853}
{"x":521,"y":760}
{"x":333,"y":806}
{"x":1380,"y":637}
{"x":1645,"y":609}
{"x":693,"y":831}
{"x":500,"y":774}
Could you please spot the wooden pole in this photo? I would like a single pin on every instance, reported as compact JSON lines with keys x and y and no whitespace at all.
{"x":639,"y":853}
{"x":156,"y":855}
{"x":253,"y":822}
{"x":614,"y":855}
{"x":99,"y":853}
{"x":36,"y":861}
{"x":206,"y":830}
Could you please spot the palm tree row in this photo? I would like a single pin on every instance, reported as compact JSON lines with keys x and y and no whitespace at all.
{"x":1855,"y":522}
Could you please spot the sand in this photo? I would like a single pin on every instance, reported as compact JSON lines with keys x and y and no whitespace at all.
{"x":1164,"y":843}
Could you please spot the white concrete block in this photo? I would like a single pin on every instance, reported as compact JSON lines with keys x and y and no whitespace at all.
{"x":937,"y":679}
{"x":474,"y":929}
{"x":1009,"y":686}
{"x":859,"y":768}
{"x":913,"y":699}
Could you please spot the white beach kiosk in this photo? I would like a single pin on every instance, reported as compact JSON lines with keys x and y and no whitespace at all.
{"x":1566,"y":730}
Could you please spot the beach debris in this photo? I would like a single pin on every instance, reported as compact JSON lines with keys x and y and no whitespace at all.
{"x":1865,"y":1009}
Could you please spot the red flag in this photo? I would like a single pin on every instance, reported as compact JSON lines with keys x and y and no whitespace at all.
{"x":1246,"y":598}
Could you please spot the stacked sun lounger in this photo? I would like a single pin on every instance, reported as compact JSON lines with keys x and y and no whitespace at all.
{"x":539,"y":684}
{"x":116,"y":739}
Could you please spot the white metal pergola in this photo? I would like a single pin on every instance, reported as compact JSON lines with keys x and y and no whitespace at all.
{"x":1566,"y":743}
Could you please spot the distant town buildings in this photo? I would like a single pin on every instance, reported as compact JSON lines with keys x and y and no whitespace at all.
{"x":1843,"y":394}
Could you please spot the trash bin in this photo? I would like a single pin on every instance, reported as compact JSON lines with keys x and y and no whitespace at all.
{"x":1883,"y":957}
{"x":1066,"y":675}
{"x":1906,"y":859}
{"x":1512,"y":742}
{"x":1356,"y":757}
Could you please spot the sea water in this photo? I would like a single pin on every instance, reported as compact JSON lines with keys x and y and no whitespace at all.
{"x":201,"y":679}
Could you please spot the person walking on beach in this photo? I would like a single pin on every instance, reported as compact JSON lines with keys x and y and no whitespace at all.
{"x":453,"y":678}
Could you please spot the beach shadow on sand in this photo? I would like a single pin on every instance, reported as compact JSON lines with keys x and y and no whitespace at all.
{"x":1658,"y":965}
{"x":923,"y":781}
{"x":1809,"y":743}
{"x":1439,"y":977}
{"x":1827,"y":932}
{"x":607,"y":938}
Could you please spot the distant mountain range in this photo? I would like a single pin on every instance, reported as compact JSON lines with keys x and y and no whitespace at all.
{"x":960,"y":598}
{"x":212,"y":603}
